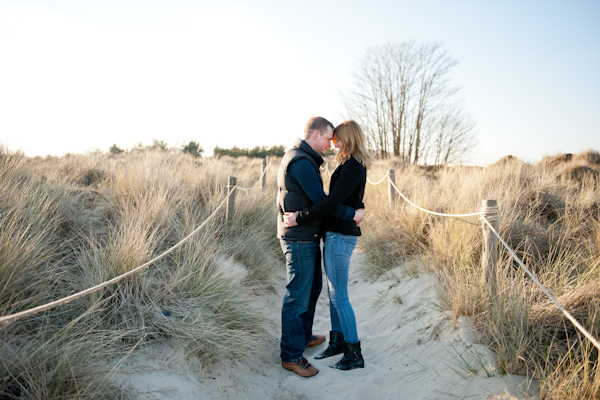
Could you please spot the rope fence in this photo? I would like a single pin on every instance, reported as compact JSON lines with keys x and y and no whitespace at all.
{"x":433,"y":212}
{"x":489,"y":215}
{"x":229,"y":215}
{"x":537,"y":282}
{"x":378,"y":182}
{"x":262,"y":180}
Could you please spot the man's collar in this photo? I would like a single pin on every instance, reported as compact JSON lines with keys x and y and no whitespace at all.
{"x":301,"y":144}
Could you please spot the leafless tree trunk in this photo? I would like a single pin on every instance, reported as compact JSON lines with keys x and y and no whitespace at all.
{"x":403,"y":99}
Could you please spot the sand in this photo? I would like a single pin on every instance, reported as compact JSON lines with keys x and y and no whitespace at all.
{"x":412,"y":350}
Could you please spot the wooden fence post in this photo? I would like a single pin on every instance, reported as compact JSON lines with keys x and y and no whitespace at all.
{"x":231,"y":200}
{"x":489,"y":260}
{"x":391,"y":189}
{"x":264,"y":174}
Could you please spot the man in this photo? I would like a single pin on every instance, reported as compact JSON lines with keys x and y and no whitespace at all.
{"x":300,"y":186}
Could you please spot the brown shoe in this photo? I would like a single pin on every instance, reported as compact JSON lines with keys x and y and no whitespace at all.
{"x":315,"y":340}
{"x":301,"y":367}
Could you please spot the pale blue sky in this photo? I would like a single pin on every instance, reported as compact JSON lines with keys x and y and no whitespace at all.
{"x":76,"y":75}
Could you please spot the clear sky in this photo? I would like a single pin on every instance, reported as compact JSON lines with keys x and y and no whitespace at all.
{"x":79,"y":75}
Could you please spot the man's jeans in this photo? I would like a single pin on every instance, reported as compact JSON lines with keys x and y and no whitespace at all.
{"x":304,"y":282}
{"x":336,"y":254}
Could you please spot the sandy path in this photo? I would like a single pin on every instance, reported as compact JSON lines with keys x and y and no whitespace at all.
{"x":411,"y":349}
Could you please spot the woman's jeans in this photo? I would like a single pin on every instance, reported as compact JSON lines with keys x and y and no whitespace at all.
{"x":336,"y":253}
{"x":304,"y":282}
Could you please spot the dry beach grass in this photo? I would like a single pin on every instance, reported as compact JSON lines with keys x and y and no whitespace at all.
{"x":72,"y":222}
{"x":550,"y":216}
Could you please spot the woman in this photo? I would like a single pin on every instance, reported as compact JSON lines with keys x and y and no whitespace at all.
{"x":347,"y":187}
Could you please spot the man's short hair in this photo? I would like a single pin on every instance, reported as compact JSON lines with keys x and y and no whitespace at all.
{"x":316,"y":124}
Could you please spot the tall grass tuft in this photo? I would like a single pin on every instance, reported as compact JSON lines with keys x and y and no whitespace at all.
{"x":74,"y":222}
{"x":550,"y":216}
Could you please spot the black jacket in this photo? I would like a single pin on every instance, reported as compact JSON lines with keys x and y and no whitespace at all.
{"x":347,"y":187}
{"x":291,"y":197}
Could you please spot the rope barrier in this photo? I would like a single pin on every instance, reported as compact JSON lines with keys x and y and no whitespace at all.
{"x":561,"y":308}
{"x":493,"y":210}
{"x":433,"y":212}
{"x":257,"y":182}
{"x":494,"y":217}
{"x":377,"y":183}
{"x":35,"y":310}
{"x":64,"y":300}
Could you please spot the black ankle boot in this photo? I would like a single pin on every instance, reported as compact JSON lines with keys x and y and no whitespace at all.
{"x":336,"y":345}
{"x":352,"y":358}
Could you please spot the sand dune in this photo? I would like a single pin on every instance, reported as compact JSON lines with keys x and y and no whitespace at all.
{"x":412,"y":350}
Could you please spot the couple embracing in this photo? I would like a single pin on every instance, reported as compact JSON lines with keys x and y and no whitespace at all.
{"x":307,"y":215}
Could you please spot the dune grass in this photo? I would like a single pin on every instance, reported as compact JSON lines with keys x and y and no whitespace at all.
{"x":70,"y":223}
{"x":549,"y":216}
{"x":73,"y":222}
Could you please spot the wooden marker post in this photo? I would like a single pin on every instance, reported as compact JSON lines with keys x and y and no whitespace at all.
{"x":489,"y":260}
{"x":264,"y":174}
{"x":391,"y":189}
{"x":231,"y":200}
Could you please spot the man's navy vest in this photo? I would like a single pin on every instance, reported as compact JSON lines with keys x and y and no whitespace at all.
{"x":291,"y":197}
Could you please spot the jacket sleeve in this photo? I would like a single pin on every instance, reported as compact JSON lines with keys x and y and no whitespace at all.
{"x":347,"y":182}
{"x":304,"y":173}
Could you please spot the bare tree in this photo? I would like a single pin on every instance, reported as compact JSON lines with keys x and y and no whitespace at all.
{"x":403,"y":99}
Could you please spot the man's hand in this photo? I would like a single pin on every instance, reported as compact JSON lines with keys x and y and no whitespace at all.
{"x":289,"y":219}
{"x":359,"y":215}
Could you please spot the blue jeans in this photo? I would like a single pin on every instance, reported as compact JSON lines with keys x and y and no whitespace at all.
{"x":304,"y":282}
{"x":336,"y":253}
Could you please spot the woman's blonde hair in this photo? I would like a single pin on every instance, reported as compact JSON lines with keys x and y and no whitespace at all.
{"x":354,"y":143}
